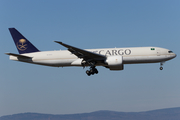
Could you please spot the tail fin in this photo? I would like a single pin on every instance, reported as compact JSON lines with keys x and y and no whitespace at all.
{"x":22,"y":44}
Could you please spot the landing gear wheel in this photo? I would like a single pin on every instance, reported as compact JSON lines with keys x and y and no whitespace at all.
{"x":161,"y":68}
{"x":95,"y":71}
{"x":88,"y":72}
{"x":92,"y":71}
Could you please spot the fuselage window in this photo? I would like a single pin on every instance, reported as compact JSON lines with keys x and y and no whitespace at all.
{"x":170,"y":51}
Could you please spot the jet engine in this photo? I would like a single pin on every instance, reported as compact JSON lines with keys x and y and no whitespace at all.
{"x":115,"y":62}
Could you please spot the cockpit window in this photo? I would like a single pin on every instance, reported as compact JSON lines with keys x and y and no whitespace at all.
{"x":170,"y":51}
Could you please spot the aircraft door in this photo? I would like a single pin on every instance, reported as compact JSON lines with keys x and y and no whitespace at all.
{"x":158,"y":52}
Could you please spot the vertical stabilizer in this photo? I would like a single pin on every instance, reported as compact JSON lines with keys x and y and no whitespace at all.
{"x":22,"y":44}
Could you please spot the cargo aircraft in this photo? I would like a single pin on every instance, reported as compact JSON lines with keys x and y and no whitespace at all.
{"x":111,"y":58}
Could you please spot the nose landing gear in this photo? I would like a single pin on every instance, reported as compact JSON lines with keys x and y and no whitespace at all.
{"x":161,"y":64}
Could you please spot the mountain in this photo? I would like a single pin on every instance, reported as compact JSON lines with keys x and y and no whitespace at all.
{"x":161,"y":114}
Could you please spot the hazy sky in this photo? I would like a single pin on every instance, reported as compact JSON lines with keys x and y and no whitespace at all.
{"x":89,"y":24}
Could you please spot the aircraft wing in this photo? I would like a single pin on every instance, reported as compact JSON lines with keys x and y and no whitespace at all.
{"x":80,"y":53}
{"x":18,"y":55}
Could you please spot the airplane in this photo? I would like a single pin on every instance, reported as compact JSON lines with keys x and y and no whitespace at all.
{"x":111,"y":58}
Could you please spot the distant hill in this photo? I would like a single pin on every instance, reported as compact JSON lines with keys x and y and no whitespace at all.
{"x":161,"y":114}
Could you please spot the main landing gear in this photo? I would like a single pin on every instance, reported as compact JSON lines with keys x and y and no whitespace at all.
{"x":161,"y":64}
{"x":92,"y":71}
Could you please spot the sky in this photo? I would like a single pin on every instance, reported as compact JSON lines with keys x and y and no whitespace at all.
{"x":89,"y":24}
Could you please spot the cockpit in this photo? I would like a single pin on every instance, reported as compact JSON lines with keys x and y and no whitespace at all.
{"x":170,"y":51}
{"x":173,"y":55}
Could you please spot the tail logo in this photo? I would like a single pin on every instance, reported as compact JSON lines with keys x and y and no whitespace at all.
{"x":21,"y":44}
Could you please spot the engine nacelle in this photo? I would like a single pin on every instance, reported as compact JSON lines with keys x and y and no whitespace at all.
{"x":115,"y":62}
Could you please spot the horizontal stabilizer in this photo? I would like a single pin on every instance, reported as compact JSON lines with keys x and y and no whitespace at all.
{"x":18,"y":55}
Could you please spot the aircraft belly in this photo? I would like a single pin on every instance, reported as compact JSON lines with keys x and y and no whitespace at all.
{"x":144,"y":59}
{"x":56,"y":63}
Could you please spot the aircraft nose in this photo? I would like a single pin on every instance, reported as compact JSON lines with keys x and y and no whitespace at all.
{"x":174,"y":55}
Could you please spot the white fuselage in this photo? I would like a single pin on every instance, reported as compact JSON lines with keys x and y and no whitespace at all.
{"x":132,"y":55}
